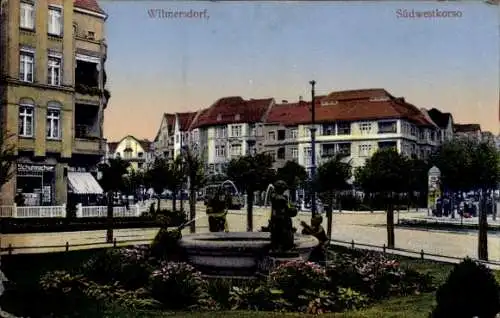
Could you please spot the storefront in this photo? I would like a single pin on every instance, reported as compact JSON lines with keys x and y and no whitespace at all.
{"x":35,"y":184}
{"x":83,"y":187}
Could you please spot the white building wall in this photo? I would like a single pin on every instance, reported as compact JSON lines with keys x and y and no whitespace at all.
{"x":211,"y":145}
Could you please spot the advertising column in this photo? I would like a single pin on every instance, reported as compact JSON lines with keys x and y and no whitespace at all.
{"x":434,"y":188}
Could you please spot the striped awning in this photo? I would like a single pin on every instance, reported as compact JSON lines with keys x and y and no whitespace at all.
{"x":83,"y":183}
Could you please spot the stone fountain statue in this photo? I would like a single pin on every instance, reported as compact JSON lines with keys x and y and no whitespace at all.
{"x":217,"y":211}
{"x":280,"y":223}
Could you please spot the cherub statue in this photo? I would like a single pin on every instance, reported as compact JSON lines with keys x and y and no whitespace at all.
{"x":280,"y":223}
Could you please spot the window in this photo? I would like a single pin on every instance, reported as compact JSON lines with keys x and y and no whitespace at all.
{"x":344,"y":149}
{"x":329,"y":150}
{"x":365,"y":150}
{"x":272,"y":154}
{"x":27,"y":16}
{"x":55,"y":21}
{"x":140,"y":154}
{"x":75,"y":29}
{"x":220,"y":151}
{"x":253,"y":131}
{"x":91,"y":36}
{"x":387,"y":145}
{"x":54,"y":71}
{"x":236,"y":150}
{"x":365,"y":128}
{"x":307,"y":156}
{"x":221,"y":132}
{"x":281,"y":153}
{"x":295,"y":153}
{"x":26,"y":111}
{"x":294,"y":133}
{"x":236,"y":131}
{"x":343,"y":129}
{"x":328,"y":130}
{"x":387,"y":127}
{"x":271,"y":135}
{"x":53,"y":121}
{"x":26,"y":65}
{"x":140,"y":165}
{"x":281,"y":134}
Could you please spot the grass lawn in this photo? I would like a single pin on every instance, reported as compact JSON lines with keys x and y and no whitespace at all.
{"x":25,"y":270}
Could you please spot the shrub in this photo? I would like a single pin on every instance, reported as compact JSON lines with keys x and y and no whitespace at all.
{"x":128,"y":266}
{"x":166,"y":245}
{"x":61,"y":292}
{"x":471,"y":290}
{"x":177,"y":285}
{"x":374,"y":275}
{"x":175,"y":218}
{"x":257,"y":298}
{"x":295,"y":277}
{"x":347,"y":299}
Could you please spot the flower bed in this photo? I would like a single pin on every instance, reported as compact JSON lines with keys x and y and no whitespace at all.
{"x":140,"y":278}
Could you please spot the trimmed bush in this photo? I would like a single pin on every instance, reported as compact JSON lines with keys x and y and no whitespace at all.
{"x":177,"y":285}
{"x":471,"y":290}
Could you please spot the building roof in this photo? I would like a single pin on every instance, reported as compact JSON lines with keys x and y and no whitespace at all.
{"x":287,"y":114}
{"x":441,"y":119}
{"x":357,"y":94}
{"x":355,"y":109}
{"x":466,"y":128}
{"x":233,"y":110}
{"x":185,"y":120}
{"x":145,"y":144}
{"x":170,"y":120}
{"x":90,"y":5}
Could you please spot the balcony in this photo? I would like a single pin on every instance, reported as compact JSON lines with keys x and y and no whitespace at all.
{"x":88,"y":94}
{"x":89,"y":146}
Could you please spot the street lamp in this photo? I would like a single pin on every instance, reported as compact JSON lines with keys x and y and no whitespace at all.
{"x":313,"y":148}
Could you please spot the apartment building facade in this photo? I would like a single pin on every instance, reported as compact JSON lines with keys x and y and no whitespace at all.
{"x":52,"y":94}
{"x":352,"y":123}
{"x":137,"y":152}
{"x":228,"y":129}
{"x":163,"y":143}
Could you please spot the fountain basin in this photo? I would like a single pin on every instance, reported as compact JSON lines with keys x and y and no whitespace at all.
{"x":239,"y":254}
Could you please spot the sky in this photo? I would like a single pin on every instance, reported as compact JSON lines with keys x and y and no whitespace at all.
{"x":158,"y":64}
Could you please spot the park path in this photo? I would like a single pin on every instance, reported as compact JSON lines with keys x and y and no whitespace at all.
{"x":365,"y":228}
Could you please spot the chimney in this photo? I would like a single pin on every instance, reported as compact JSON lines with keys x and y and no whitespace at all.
{"x":284,"y":101}
{"x":300,"y":98}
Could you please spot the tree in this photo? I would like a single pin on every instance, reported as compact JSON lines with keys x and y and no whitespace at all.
{"x":157,"y":177}
{"x":332,"y":177}
{"x":176,"y":179}
{"x":386,"y":172}
{"x":112,"y":181}
{"x":134,"y":181}
{"x":251,"y":173}
{"x":470,"y":165}
{"x":294,"y":175}
{"x":196,"y":178}
{"x":418,"y":182}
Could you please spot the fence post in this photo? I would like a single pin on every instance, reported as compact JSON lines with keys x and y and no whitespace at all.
{"x":10,"y":249}
{"x":114,"y":242}
{"x":352,"y":244}
{"x":79,"y":210}
{"x":422,"y":254}
{"x":383,"y":249}
{"x":14,"y":210}
{"x":67,"y":246}
{"x":63,"y":214}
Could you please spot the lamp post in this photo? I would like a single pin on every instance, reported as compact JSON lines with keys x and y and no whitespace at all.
{"x":182,"y":169}
{"x":313,"y":148}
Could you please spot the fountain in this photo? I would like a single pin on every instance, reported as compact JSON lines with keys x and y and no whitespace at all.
{"x":231,"y":183}
{"x":246,"y":254}
{"x":269,"y":187}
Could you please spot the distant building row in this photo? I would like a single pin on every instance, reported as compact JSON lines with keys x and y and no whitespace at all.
{"x":355,"y":123}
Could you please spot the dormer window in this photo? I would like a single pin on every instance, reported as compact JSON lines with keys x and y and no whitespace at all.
{"x":379,"y":99}
{"x":219,"y":117}
{"x":237,"y":117}
{"x":330,"y":102}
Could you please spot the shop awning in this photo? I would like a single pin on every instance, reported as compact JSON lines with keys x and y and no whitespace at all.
{"x":83,"y":183}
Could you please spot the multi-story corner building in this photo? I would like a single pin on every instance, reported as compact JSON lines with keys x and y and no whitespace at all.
{"x":163,"y":143}
{"x":444,"y":121}
{"x":52,"y":95}
{"x":353,"y":123}
{"x":470,"y":131}
{"x":133,"y":150}
{"x":230,"y":128}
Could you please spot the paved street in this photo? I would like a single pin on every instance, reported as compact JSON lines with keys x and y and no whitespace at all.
{"x":360,"y":227}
